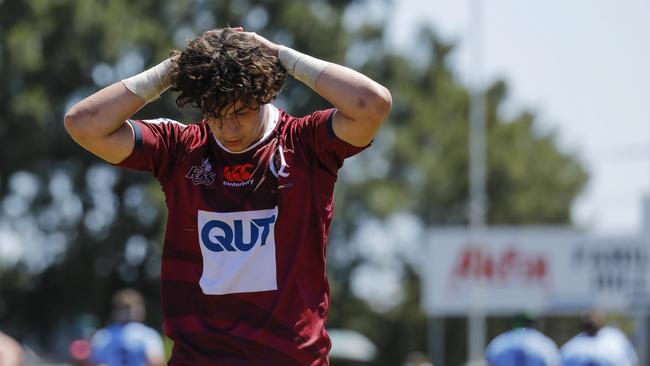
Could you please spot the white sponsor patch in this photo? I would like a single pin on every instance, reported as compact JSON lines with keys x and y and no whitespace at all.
{"x":238,"y":251}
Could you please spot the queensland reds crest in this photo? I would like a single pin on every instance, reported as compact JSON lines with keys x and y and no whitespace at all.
{"x":201,"y":174}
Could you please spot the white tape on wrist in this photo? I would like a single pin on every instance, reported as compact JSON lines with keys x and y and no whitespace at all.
{"x":149,"y":84}
{"x":302,"y":67}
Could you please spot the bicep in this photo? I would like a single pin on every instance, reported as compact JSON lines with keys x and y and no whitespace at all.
{"x":114,"y":147}
{"x":355,"y":132}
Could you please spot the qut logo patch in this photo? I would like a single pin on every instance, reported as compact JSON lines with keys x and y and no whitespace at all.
{"x":238,"y":250}
{"x":233,"y":239}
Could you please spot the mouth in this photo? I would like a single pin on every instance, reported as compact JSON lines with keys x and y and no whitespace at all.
{"x":231,"y":142}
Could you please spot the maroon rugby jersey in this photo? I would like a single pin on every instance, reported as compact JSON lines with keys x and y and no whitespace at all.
{"x":243,"y":269}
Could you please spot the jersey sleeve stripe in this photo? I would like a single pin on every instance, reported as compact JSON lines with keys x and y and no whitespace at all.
{"x":330,"y":127}
{"x":137,"y":132}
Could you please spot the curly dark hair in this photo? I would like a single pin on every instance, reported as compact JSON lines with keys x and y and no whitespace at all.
{"x":222,"y":67}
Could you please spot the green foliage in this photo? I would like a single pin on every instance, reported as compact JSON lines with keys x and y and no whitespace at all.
{"x":75,"y":223}
{"x":529,"y":179}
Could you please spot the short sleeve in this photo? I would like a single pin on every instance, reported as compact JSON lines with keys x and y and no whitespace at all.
{"x":98,"y":346}
{"x":328,"y":149}
{"x":492,"y":348}
{"x":153,"y":344}
{"x":630,"y":352}
{"x":156,"y":144}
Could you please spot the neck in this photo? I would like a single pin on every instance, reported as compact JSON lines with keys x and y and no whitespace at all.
{"x":263,"y":115}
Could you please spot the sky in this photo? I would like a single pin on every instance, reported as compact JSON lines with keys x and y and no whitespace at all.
{"x":583,"y":66}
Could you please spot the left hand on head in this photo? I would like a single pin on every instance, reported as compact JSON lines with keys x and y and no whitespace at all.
{"x":266,"y":44}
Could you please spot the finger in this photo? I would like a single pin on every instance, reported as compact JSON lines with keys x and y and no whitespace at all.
{"x":209,"y":33}
{"x":214,"y":31}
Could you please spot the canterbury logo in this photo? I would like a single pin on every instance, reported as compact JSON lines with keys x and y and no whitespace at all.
{"x":238,"y":175}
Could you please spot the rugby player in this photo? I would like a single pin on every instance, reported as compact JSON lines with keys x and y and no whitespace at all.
{"x":248,"y":190}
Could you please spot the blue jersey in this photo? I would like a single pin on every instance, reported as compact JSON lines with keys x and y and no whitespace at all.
{"x":609,"y":347}
{"x":522,"y":347}
{"x":126,"y":345}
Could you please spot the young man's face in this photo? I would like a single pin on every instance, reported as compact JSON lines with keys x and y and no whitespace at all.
{"x":239,"y":128}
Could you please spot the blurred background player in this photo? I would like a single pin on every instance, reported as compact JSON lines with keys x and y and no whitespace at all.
{"x":522,"y":346}
{"x":127,"y":341}
{"x":11,"y":353}
{"x":598,"y":345}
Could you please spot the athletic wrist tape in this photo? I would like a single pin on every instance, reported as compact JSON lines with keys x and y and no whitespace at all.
{"x":150,"y":83}
{"x":302,"y":67}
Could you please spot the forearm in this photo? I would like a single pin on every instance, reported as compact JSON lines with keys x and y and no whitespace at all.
{"x":102,"y":113}
{"x":362,"y":103}
{"x":98,"y":123}
{"x":354,"y":95}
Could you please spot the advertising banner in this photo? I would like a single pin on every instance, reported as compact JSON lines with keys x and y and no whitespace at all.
{"x":543,"y":269}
